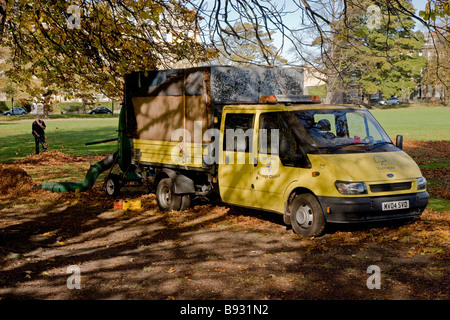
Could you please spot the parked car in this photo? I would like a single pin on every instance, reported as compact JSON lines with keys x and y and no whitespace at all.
{"x":15,"y":111}
{"x":100,"y":110}
{"x":391,"y":100}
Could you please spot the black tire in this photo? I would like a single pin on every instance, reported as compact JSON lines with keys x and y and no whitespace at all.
{"x":165,"y":196}
{"x":113,"y":185}
{"x":307,"y":217}
{"x":185,"y":202}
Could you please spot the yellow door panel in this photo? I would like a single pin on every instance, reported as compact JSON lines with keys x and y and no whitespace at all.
{"x":235,"y":178}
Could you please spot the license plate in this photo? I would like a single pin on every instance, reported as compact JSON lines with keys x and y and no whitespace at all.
{"x":395,"y":205}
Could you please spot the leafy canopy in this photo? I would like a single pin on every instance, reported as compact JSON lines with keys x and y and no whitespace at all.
{"x":95,"y":45}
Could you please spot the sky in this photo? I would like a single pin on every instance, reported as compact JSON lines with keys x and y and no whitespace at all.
{"x":293,"y":21}
{"x":294,"y":18}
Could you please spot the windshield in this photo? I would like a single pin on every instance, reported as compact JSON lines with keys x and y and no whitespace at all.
{"x":335,"y":129}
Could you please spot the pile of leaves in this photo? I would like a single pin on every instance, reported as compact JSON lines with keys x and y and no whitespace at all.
{"x":14,"y":180}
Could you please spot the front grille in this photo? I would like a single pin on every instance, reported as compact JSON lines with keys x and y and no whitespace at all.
{"x":390,"y":187}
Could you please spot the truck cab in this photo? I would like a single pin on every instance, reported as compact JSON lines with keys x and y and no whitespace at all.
{"x":316,"y":164}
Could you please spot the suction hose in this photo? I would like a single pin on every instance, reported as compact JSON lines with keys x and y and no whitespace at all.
{"x":89,"y":180}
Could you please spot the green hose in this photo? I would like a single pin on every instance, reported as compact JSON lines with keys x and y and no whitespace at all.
{"x":124,"y":160}
{"x":89,"y":180}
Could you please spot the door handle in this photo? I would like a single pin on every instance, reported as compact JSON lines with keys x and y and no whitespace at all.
{"x":227,"y":160}
{"x":255,"y":162}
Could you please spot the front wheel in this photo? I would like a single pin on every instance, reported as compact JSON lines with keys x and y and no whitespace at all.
{"x":307,"y":217}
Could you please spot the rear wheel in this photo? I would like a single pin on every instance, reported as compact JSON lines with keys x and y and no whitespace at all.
{"x":307,"y":216}
{"x":165,"y":196}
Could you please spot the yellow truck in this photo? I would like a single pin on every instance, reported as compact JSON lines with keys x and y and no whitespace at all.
{"x":250,"y":136}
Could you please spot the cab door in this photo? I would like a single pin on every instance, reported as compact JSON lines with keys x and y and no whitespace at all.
{"x":272,"y":174}
{"x":237,"y":158}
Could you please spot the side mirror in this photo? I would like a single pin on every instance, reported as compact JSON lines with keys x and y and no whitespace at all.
{"x":285,"y":147}
{"x":399,"y":142}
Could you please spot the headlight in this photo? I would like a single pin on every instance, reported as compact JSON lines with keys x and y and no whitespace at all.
{"x":421,"y":183}
{"x":351,"y":187}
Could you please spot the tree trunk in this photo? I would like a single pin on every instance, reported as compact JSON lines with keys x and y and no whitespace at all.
{"x":84,"y":105}
{"x":46,"y":111}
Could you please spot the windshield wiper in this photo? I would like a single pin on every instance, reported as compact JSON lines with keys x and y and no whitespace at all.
{"x":379,"y":144}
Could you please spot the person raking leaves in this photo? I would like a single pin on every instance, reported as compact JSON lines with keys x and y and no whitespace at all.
{"x":38,"y":128}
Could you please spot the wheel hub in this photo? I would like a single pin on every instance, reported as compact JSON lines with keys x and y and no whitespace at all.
{"x":304,"y":216}
{"x":110,"y":186}
{"x":166,"y":194}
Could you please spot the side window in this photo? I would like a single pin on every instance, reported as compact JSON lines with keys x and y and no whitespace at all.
{"x":238,"y":133}
{"x":269,"y":132}
{"x":272,"y":129}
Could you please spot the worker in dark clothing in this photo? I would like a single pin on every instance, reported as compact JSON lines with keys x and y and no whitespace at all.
{"x":38,"y":128}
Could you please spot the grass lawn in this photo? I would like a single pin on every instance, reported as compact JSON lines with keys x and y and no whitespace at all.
{"x":415,"y":123}
{"x":65,"y":135}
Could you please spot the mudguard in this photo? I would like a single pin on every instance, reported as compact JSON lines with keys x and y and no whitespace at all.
{"x":182,"y":184}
